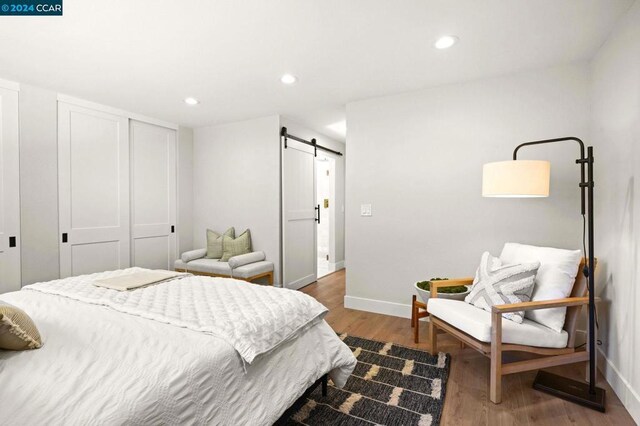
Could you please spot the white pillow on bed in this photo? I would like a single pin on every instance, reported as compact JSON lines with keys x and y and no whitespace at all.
{"x":554,"y":280}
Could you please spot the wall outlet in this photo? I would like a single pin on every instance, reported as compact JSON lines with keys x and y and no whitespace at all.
{"x":365,"y":210}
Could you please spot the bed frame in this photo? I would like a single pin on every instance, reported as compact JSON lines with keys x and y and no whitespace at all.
{"x":301,"y":401}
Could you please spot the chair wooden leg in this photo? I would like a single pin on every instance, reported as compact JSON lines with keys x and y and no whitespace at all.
{"x":495,"y":380}
{"x":416,"y":328}
{"x":413,"y":311}
{"x":433,"y":337}
{"x":271,"y":277}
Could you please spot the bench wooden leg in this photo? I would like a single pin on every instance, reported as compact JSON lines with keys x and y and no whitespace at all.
{"x":270,"y":277}
{"x":495,"y":380}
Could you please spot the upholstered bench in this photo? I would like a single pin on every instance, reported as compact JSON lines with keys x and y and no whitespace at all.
{"x":247,"y":267}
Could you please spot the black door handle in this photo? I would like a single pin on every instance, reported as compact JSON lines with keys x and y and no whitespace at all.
{"x":318,"y":218}
{"x":64,"y":237}
{"x":173,"y":229}
{"x":12,"y":241}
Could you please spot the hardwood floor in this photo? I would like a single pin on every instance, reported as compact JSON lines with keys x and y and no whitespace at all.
{"x":467,"y":400}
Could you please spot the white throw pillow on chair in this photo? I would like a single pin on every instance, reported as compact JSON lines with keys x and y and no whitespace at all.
{"x":498,"y":284}
{"x":554,"y":280}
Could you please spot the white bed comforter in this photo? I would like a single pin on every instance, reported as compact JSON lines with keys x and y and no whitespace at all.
{"x":253,"y":319}
{"x":101,"y":366}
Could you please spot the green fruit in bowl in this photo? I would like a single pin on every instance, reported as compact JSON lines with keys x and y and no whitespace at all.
{"x":458,"y":292}
{"x":426,"y":285}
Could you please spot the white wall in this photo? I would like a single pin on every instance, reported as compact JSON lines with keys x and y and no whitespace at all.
{"x":185,"y":189}
{"x":308,"y":134}
{"x":38,"y":184}
{"x":417,"y":158}
{"x":616,"y":135}
{"x":236,"y":182}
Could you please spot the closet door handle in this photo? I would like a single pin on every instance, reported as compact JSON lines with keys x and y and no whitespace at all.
{"x":64,"y":237}
{"x":173,"y":229}
{"x":12,"y":241}
{"x":318,"y":218}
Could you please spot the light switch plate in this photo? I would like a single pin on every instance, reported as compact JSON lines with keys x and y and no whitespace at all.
{"x":365,"y":210}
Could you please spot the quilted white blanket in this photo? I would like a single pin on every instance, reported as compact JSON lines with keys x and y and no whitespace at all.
{"x":98,"y":366}
{"x":253,"y":319}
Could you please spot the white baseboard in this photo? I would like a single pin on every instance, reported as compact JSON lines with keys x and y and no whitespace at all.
{"x":378,"y":306}
{"x":629,"y":397}
{"x":337,"y":266}
{"x":299,"y":283}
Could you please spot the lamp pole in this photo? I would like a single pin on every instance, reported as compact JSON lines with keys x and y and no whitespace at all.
{"x":591,"y":279}
{"x":591,"y":396}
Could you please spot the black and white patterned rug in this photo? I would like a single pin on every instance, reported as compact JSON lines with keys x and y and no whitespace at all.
{"x":391,"y":385}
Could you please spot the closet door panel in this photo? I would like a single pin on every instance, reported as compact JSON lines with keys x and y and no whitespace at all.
{"x":94,"y":257}
{"x":153,"y":195}
{"x":93,"y":170}
{"x":153,"y":252}
{"x":9,"y":192}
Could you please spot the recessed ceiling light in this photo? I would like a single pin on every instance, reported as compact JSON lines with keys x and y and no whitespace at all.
{"x":445,"y":42}
{"x":288,"y":79}
{"x":340,"y":127}
{"x":191,"y":101}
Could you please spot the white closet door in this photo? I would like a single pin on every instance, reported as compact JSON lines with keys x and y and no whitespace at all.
{"x":9,"y":192}
{"x":93,"y":173}
{"x":153,"y":195}
{"x":299,"y":215}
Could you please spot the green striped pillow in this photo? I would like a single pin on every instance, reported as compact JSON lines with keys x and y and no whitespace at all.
{"x":215,"y":241}
{"x":235,"y":247}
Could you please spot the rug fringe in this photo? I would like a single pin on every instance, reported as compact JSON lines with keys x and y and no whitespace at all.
{"x":395,"y":396}
{"x":386,"y":348}
{"x":436,"y":388}
{"x":305,"y":411}
{"x":347,"y":406}
{"x":373,"y":372}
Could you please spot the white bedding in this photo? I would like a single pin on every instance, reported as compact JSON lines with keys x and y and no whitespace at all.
{"x":254,"y":319}
{"x":101,"y":366}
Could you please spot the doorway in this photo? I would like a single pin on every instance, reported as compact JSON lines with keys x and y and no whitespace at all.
{"x":309,"y":229}
{"x":325,"y":198}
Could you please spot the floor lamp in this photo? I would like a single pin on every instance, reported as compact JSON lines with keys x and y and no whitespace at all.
{"x":530,"y":178}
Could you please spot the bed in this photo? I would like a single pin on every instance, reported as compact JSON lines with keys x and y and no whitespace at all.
{"x":165,"y":354}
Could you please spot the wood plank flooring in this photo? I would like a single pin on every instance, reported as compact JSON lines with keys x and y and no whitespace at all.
{"x":467,"y":400}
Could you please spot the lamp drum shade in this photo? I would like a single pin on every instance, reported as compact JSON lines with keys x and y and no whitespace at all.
{"x":516,"y":179}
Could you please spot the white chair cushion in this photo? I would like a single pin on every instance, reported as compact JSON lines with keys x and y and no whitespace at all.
{"x":477,"y":323}
{"x":211,"y":266}
{"x":554,"y":280}
{"x":253,"y":269}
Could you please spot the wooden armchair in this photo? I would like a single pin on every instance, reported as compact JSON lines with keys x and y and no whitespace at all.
{"x":544,"y":356}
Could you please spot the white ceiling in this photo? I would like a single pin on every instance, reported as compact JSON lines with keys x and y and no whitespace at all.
{"x":145,"y":56}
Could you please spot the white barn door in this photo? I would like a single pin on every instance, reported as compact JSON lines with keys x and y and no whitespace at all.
{"x":9,"y":192}
{"x":298,"y":215}
{"x":153,"y":195}
{"x":93,"y":174}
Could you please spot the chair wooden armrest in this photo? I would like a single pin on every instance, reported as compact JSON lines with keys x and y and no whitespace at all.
{"x":541,"y":304}
{"x":435,"y":285}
